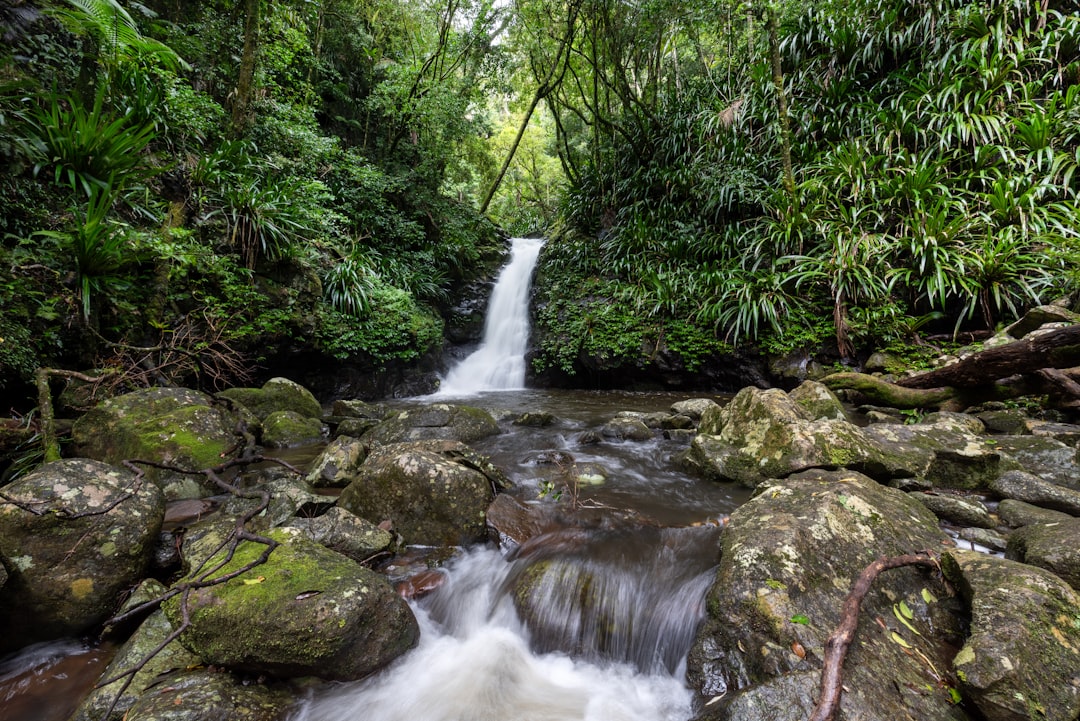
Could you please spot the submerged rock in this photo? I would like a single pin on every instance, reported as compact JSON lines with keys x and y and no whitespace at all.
{"x":85,"y":533}
{"x":790,"y":555}
{"x":306,"y":611}
{"x":1022,"y":657}
{"x":439,"y":421}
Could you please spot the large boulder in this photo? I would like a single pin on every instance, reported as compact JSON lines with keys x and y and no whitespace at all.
{"x":434,"y":492}
{"x":439,"y":421}
{"x":277,"y":394}
{"x":789,"y":557}
{"x":1053,"y":546}
{"x":1029,"y":488}
{"x":306,"y":611}
{"x":74,"y":536}
{"x":209,"y":695}
{"x":143,"y":645}
{"x":1021,"y":659}
{"x":174,"y":426}
{"x":1044,"y":456}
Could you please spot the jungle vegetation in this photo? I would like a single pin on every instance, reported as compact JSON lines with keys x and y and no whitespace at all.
{"x":189,"y":188}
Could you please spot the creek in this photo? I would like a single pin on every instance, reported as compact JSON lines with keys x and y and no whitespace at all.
{"x":593,"y":622}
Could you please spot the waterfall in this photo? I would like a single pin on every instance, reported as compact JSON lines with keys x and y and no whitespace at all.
{"x":499,"y":362}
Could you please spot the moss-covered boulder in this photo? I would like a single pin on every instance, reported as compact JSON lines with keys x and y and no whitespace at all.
{"x":1049,"y":459}
{"x":210,"y":695}
{"x":943,"y":450}
{"x":817,"y":401}
{"x":1016,"y":514}
{"x":348,"y":534}
{"x":338,"y":464}
{"x":287,"y":429}
{"x":74,"y":536}
{"x":789,"y":557}
{"x":1021,"y":660}
{"x":307,"y":611}
{"x":434,"y":492}
{"x":175,"y":426}
{"x":277,"y":394}
{"x":439,"y":421}
{"x":1052,"y":546}
{"x":141,"y":645}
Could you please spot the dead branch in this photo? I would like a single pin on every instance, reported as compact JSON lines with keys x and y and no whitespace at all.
{"x":49,"y":442}
{"x":203,"y":576}
{"x":836,"y":647}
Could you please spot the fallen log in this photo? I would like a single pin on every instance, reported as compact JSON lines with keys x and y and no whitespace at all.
{"x":884,"y":393}
{"x":1054,"y":349}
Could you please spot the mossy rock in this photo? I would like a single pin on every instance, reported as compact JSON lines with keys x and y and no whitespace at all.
{"x":1021,"y":660}
{"x":433,"y":492}
{"x":89,"y":537}
{"x":439,"y":421}
{"x":817,"y":401}
{"x":174,"y":426}
{"x":338,"y":464}
{"x":789,"y":558}
{"x":306,"y":611}
{"x":288,"y":429}
{"x":277,"y":394}
{"x":346,"y":533}
{"x":210,"y":695}
{"x":1052,"y":546}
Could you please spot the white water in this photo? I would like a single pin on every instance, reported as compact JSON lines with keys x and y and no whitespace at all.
{"x":474,"y":663}
{"x":499,"y":362}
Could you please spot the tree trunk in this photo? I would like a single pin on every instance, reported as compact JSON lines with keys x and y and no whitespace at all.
{"x":1054,"y":349}
{"x":245,"y":82}
{"x":781,"y":106}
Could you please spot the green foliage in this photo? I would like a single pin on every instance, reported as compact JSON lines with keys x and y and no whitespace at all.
{"x":18,"y":358}
{"x":86,"y":148}
{"x":395,"y":328}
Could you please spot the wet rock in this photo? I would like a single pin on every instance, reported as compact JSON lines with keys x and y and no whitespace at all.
{"x":535,"y":419}
{"x":174,"y":426}
{"x":956,"y":510}
{"x":348,"y":534}
{"x":147,"y":638}
{"x":420,"y":584}
{"x":360,"y":409}
{"x":1032,"y":489}
{"x":627,"y":429}
{"x":1040,"y":316}
{"x":207,"y":695}
{"x":89,"y":535}
{"x":1015,"y":514}
{"x":435,"y":493}
{"x":1052,"y":546}
{"x":550,"y":457}
{"x":790,"y":697}
{"x":439,"y":421}
{"x":288,"y":429}
{"x":513,"y":521}
{"x":338,"y":464}
{"x":790,"y":555}
{"x":985,"y":537}
{"x":1010,"y":421}
{"x":1021,"y":659}
{"x":306,"y":611}
{"x":1049,"y":459}
{"x":817,"y":401}
{"x":676,"y":422}
{"x":277,"y":394}
{"x":694,"y":408}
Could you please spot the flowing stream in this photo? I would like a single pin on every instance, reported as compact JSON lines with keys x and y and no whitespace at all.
{"x":592,"y":619}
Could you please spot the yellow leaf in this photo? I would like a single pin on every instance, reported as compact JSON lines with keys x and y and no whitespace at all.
{"x":253,"y":581}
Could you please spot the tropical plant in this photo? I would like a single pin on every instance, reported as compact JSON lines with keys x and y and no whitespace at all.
{"x":99,"y":247}
{"x":86,"y":148}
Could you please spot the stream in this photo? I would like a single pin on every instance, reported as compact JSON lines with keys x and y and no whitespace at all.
{"x":590,"y":621}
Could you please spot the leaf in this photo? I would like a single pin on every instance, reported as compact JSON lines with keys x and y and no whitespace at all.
{"x":928,"y":597}
{"x":797,"y":649}
{"x":954,"y":695}
{"x":898,"y":611}
{"x":253,"y":581}
{"x":906,"y":610}
{"x":800,"y":618}
{"x":898,"y":639}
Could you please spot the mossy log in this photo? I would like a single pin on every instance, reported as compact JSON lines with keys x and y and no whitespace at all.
{"x":892,"y":395}
{"x":1054,"y":349}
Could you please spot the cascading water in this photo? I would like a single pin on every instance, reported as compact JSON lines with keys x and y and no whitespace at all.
{"x":499,"y":362}
{"x":545,"y":635}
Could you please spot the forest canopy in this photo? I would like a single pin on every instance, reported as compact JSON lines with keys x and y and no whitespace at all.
{"x":194,"y":188}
